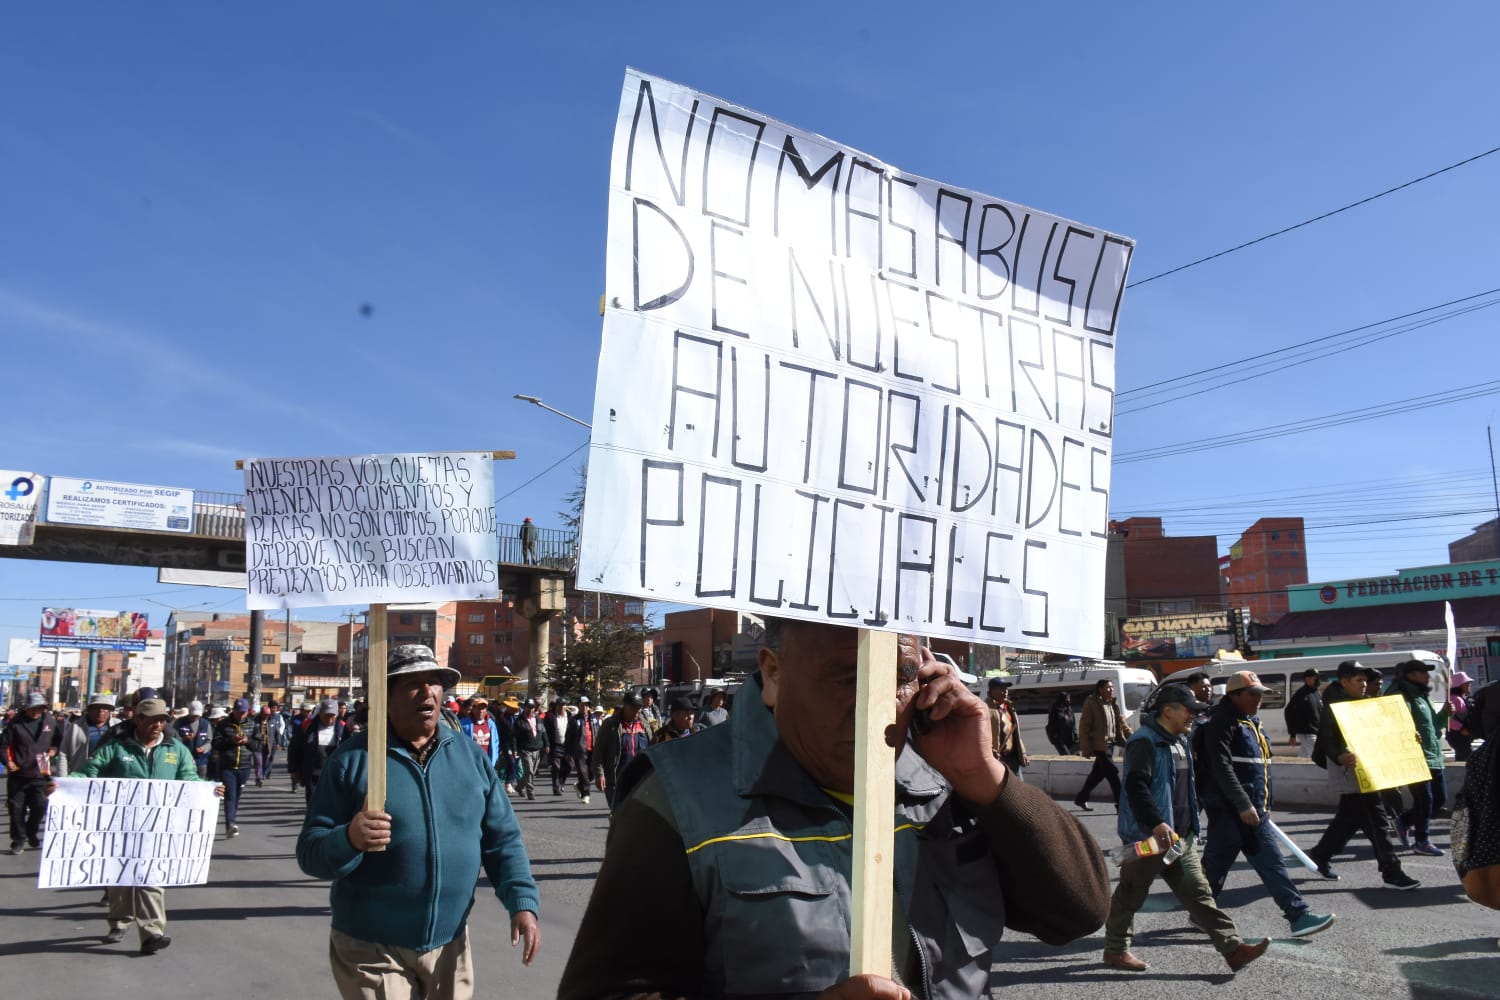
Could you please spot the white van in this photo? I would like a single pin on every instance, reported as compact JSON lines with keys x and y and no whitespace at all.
{"x":1283,"y":676}
{"x":1034,"y":688}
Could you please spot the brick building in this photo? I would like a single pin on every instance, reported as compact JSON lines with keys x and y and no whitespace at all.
{"x":1152,"y":573}
{"x":1268,"y":558}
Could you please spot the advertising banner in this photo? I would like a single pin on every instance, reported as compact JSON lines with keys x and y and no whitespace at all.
{"x":370,"y":529}
{"x":831,"y":390}
{"x":19,"y":495}
{"x":99,"y":504}
{"x":78,"y":628}
{"x":128,"y":831}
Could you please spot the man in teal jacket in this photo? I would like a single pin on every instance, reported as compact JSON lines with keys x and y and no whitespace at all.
{"x":149,"y":749}
{"x":403,"y":878}
{"x":1412,"y":683}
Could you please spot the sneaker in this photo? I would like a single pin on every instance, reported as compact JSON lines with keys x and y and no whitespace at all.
{"x":1401,"y":882}
{"x":585,"y":800}
{"x":17,"y":848}
{"x":510,"y":789}
{"x":1428,"y":848}
{"x":1086,"y":808}
{"x":1246,"y":953}
{"x":115,"y":935}
{"x":1327,"y":872}
{"x":234,"y":831}
{"x":1311,"y":923}
{"x":530,"y":795}
{"x":154,"y":944}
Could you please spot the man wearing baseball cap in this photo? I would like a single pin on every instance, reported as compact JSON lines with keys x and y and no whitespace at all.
{"x":1357,"y":810}
{"x":1160,"y":804}
{"x":237,"y":740}
{"x":403,"y":877}
{"x":1235,"y":763}
{"x":149,"y":749}
{"x":29,"y":744}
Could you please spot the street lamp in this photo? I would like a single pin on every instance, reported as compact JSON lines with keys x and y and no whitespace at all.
{"x":552,"y":409}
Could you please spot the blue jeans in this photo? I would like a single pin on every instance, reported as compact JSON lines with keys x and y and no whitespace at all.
{"x":1225,"y":844}
{"x":234,"y":781}
{"x":1427,"y":798}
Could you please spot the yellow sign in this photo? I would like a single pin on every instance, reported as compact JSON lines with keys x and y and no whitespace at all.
{"x":1384,"y":739}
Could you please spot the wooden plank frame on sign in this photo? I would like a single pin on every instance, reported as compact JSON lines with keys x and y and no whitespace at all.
{"x":375,"y":710}
{"x":872,"y":886}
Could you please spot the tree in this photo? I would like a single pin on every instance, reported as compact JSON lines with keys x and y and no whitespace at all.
{"x":573,"y":515}
{"x":599,"y":656}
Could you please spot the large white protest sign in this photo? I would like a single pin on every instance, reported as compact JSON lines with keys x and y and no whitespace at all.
{"x":19,"y":494}
{"x":829,"y":390}
{"x":127,"y":831}
{"x":370,"y":529}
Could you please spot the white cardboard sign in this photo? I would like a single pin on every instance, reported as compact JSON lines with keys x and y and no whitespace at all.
{"x":829,"y":390}
{"x":371,"y":529}
{"x":128,"y":831}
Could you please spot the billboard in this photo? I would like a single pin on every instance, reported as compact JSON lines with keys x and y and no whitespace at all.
{"x":78,"y":628}
{"x":1183,"y":636}
{"x":19,"y":493}
{"x":96,"y":503}
{"x":832,"y":390}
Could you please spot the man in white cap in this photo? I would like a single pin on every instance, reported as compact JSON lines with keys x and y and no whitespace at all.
{"x":148,"y":749}
{"x":29,"y":746}
{"x":198,"y":733}
{"x":403,"y":877}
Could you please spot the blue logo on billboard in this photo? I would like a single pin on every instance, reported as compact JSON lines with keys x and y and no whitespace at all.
{"x":88,"y":485}
{"x":21,"y":486}
{"x":1328,"y":595}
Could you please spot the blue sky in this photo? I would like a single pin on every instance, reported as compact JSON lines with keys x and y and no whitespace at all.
{"x":197,"y":199}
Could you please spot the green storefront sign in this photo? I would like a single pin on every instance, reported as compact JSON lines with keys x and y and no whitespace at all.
{"x":1452,"y":582}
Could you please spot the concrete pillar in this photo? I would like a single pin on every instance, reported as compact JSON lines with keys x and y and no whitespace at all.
{"x":545,"y":597}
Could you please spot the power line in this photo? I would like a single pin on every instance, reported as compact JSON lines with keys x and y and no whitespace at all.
{"x":1267,"y":367}
{"x":539,"y":475}
{"x":1317,"y":218}
{"x":1313,"y":423}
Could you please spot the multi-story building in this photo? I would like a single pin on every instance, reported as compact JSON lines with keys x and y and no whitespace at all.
{"x":1480,"y":544}
{"x":1268,"y":558}
{"x":1152,"y":573}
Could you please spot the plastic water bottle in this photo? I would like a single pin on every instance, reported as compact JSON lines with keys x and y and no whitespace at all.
{"x":1148,"y":848}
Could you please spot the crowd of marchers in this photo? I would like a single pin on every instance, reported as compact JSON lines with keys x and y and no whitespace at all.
{"x":744,"y":814}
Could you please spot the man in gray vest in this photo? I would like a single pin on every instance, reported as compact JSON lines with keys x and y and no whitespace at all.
{"x":747,"y":831}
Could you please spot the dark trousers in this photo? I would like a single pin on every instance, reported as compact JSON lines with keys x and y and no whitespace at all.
{"x":559,"y":762}
{"x":234,"y":782}
{"x":1359,"y":811}
{"x":1427,"y":797}
{"x":26,"y":798}
{"x":585,"y":772}
{"x":1228,"y":837}
{"x":1103,"y":770}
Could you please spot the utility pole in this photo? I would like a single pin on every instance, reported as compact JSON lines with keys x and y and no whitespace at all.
{"x":257,"y":640}
{"x":1494,"y":483}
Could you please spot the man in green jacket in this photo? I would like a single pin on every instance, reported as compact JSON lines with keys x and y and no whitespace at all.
{"x":149,"y":749}
{"x":1427,"y":797}
{"x":403,"y":878}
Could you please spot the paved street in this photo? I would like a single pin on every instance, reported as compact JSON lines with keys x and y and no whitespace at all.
{"x":262,"y":925}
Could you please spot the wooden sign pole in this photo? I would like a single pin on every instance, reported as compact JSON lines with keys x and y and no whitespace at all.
{"x":873,"y":882}
{"x":375,"y":720}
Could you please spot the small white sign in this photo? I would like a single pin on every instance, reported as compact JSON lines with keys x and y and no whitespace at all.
{"x":128,"y":831}
{"x":370,"y":529}
{"x":19,"y":493}
{"x":101,"y":504}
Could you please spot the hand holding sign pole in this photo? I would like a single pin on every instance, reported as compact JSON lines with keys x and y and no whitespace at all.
{"x":376,"y":730}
